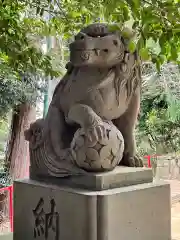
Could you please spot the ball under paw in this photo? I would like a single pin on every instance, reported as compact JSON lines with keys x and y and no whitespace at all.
{"x":98,"y":155}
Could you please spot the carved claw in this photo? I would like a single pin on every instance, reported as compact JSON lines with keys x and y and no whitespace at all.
{"x":135,"y":161}
{"x":97,"y":132}
{"x":138,"y":161}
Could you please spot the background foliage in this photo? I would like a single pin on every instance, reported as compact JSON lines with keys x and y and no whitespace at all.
{"x":155,"y":32}
{"x":158,"y":21}
{"x":159,"y":125}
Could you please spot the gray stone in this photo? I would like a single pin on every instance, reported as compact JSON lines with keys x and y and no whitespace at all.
{"x":138,"y":212}
{"x":119,"y":177}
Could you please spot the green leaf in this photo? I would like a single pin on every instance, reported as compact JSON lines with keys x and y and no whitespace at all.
{"x":127,"y":33}
{"x":162,"y":58}
{"x":136,"y":3}
{"x":144,"y":54}
{"x":174,"y":53}
{"x":126,"y":14}
{"x":132,"y":46}
{"x":158,"y":64}
{"x":141,"y":43}
{"x":114,"y":27}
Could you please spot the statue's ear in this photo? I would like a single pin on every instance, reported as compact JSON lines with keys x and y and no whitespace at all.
{"x":128,"y":35}
{"x":69,"y":67}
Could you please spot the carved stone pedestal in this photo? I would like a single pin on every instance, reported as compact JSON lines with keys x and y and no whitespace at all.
{"x":126,"y":206}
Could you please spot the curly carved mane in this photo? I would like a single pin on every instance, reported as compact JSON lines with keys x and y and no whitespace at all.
{"x":129,"y":79}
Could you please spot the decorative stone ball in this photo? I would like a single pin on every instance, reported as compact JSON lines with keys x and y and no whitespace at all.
{"x":98,"y":155}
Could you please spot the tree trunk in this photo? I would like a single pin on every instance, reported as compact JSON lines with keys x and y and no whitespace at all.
{"x":17,"y":154}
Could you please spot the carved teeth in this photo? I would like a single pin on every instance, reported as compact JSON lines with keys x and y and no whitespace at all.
{"x":126,"y":58}
{"x":97,"y":51}
{"x":124,"y":67}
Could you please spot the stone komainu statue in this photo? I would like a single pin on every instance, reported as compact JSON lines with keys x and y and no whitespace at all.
{"x":93,"y":112}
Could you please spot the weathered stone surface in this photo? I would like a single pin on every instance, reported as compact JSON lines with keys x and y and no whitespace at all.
{"x":95,"y":106}
{"x":76,"y":211}
{"x":138,"y":212}
{"x":119,"y":177}
{"x":100,"y":154}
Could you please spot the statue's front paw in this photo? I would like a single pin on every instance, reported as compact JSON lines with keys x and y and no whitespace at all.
{"x":138,"y":161}
{"x":131,"y":161}
{"x":97,"y":132}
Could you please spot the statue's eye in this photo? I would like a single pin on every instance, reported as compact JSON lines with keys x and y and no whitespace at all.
{"x":80,"y":36}
{"x":105,"y":50}
{"x":115,"y":42}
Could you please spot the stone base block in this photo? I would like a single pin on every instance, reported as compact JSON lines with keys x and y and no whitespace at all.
{"x":52,"y":212}
{"x":119,"y":177}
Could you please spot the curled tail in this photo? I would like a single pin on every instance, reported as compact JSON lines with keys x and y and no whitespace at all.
{"x":43,"y":160}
